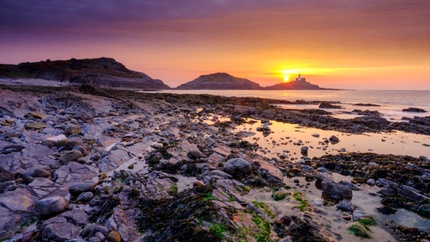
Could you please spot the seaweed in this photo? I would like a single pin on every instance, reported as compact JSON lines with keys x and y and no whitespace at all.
{"x":181,"y":218}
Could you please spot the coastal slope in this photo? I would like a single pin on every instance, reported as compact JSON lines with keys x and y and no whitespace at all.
{"x":106,"y":72}
{"x":220,"y":81}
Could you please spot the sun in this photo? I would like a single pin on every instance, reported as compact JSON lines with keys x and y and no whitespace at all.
{"x":286,"y":77}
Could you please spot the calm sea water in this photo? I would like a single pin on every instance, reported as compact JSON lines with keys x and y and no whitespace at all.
{"x":392,"y":102}
{"x":404,"y":98}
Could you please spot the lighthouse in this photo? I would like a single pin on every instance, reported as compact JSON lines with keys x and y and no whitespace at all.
{"x":300,"y":79}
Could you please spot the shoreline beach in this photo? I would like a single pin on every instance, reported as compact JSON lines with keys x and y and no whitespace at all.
{"x":234,"y":164}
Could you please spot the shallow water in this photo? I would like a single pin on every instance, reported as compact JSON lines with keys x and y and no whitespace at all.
{"x":285,"y":139}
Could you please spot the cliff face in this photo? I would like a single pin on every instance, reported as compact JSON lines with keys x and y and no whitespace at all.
{"x":100,"y":71}
{"x":294,"y":85}
{"x":220,"y":81}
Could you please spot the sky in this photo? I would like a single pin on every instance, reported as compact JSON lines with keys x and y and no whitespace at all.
{"x":354,"y":44}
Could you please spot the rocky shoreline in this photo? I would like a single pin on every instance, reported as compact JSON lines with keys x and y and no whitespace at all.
{"x":85,"y":164}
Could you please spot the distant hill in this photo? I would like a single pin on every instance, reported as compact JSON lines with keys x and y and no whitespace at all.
{"x":295,"y":85}
{"x":105,"y":72}
{"x":220,"y":81}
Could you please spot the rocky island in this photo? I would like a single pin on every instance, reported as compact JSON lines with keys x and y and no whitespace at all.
{"x":81,"y":163}
{"x":220,"y":81}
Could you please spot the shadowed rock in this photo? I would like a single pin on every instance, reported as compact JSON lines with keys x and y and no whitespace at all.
{"x":51,"y":206}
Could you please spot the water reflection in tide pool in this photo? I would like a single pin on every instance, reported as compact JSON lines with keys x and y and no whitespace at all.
{"x":288,"y":139}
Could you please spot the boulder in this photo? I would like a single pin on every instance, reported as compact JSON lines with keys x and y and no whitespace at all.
{"x":71,"y":155}
{"x":304,"y":150}
{"x":51,"y":206}
{"x":371,"y":182}
{"x":79,"y":188}
{"x":35,"y":125}
{"x":411,"y":193}
{"x":334,"y":140}
{"x":195,"y":154}
{"x":58,"y":229}
{"x":388,"y":192}
{"x":381,"y":182}
{"x":73,"y":129}
{"x":19,"y":200}
{"x":335,"y":190}
{"x":237,"y":165}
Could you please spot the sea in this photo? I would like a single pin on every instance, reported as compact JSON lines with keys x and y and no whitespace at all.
{"x":391,"y":102}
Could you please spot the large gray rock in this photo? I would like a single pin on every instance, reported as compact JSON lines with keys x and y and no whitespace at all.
{"x":387,"y":192}
{"x":18,"y":201}
{"x":411,"y":193}
{"x":381,"y":182}
{"x":304,"y":150}
{"x":51,"y":206}
{"x":79,"y":188}
{"x":58,"y":229}
{"x":237,"y":166}
{"x":73,"y":129}
{"x":71,"y":155}
{"x":195,"y":154}
{"x":335,"y":190}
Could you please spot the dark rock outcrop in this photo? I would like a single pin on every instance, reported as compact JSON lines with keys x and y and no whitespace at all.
{"x":237,"y":165}
{"x":335,"y":191}
{"x":105,"y":72}
{"x":220,"y":81}
{"x":329,"y":105}
{"x":414,"y":110}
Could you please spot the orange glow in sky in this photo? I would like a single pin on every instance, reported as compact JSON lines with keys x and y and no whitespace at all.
{"x":362,"y":44}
